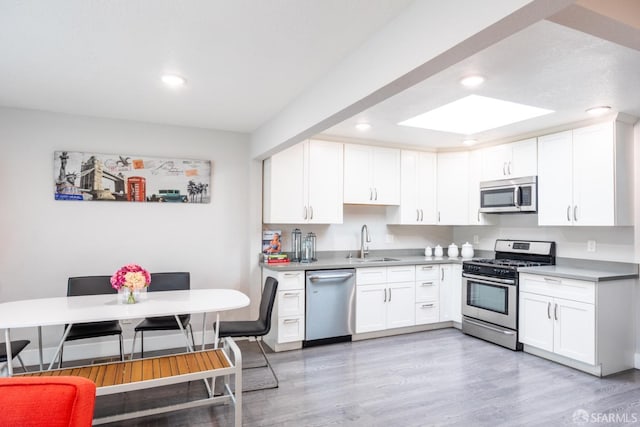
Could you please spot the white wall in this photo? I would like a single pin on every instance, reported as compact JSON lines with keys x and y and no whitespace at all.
{"x":45,"y":241}
{"x":346,"y":236}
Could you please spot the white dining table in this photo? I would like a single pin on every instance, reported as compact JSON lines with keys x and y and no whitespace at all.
{"x":41,"y":312}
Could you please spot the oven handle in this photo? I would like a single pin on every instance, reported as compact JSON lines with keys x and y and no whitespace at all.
{"x":482,"y":325}
{"x":489,"y":281}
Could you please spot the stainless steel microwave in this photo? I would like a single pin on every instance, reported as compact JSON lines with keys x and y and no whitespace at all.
{"x":518,"y":195}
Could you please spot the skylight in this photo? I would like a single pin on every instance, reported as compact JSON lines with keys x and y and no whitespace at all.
{"x":473,"y":114}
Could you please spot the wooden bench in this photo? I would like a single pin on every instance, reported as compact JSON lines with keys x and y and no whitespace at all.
{"x":120,"y":377}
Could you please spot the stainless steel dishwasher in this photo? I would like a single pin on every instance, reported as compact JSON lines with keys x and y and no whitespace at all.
{"x":330,"y":299}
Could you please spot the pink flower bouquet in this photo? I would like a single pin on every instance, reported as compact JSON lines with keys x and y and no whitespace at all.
{"x":133,"y":277}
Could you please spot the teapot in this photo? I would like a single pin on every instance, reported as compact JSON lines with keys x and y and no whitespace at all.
{"x":438,"y":251}
{"x":467,"y":250}
{"x":452,"y":251}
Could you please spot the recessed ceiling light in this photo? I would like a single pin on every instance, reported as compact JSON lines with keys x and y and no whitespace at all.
{"x":363,"y":126}
{"x":598,"y":111}
{"x":469,"y":142}
{"x":474,"y":114}
{"x":472,"y":81}
{"x":173,"y":80}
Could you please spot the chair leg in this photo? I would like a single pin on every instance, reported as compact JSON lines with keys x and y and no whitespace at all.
{"x":193,"y":341}
{"x":60,"y":357}
{"x":121,"y":348}
{"x":269,"y":365}
{"x":21,"y":362}
{"x":141,"y":344}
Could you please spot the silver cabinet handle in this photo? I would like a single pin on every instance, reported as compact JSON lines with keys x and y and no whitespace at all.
{"x":417,"y":215}
{"x":291,"y":294}
{"x":549,"y":310}
{"x":330,"y":277}
{"x":484,"y":325}
{"x":311,"y":210}
{"x":442,"y":273}
{"x":427,"y":284}
{"x":305,"y":212}
{"x":478,"y":215}
{"x":509,"y":167}
{"x":438,"y":216}
{"x":421,"y":215}
{"x":389,"y":294}
{"x":427,"y":305}
{"x":575,"y":213}
{"x":370,"y":193}
{"x":291,"y":274}
{"x":427,"y":267}
{"x":555,"y":312}
{"x":385,"y":295}
{"x":552,"y":280}
{"x":291,"y":320}
{"x":569,"y":213}
{"x":376,"y":190}
{"x":504,"y":168}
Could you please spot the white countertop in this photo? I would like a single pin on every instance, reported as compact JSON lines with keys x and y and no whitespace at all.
{"x":597,"y":274}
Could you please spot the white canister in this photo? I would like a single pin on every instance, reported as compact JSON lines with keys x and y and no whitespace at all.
{"x":467,"y":250}
{"x":438,"y":251}
{"x":428,"y":251}
{"x":452,"y":251}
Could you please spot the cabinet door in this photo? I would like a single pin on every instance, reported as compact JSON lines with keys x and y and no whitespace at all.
{"x":409,"y":184}
{"x":524,"y":158}
{"x":555,"y":182}
{"x":385,"y":175}
{"x":453,"y":191}
{"x":371,"y":314}
{"x":446,"y":293}
{"x":496,"y":162}
{"x":290,"y":303}
{"x":456,"y":292}
{"x":357,"y":174}
{"x":427,"y":188}
{"x":593,"y":175}
{"x":401,"y":302}
{"x":284,"y":187}
{"x":427,"y":312}
{"x":324,"y":172}
{"x":290,"y":329}
{"x":536,"y":320}
{"x":574,"y":332}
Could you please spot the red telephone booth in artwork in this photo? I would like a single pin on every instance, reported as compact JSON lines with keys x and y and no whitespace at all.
{"x":136,"y":189}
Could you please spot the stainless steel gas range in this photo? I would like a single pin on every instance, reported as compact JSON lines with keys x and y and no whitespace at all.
{"x":490,"y":289}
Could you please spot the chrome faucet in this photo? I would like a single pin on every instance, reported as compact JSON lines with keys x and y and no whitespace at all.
{"x":364,"y":239}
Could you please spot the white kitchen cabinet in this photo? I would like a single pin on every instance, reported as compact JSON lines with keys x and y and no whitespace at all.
{"x":453,"y":188}
{"x":585,"y":176}
{"x":584,"y":324}
{"x":427,"y":294}
{"x":385,"y":298}
{"x":417,"y":189}
{"x":513,"y":160}
{"x":288,"y":317}
{"x":303,"y":184}
{"x":371,"y":175}
{"x":451,"y":292}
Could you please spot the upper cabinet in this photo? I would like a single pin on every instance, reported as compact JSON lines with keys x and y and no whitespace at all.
{"x":303,"y":184}
{"x":453,"y":188}
{"x":417,"y":189}
{"x":512,"y":160}
{"x":371,"y":175}
{"x":585,"y":176}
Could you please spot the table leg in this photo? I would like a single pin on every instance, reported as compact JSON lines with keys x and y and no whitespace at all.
{"x":204,"y":329}
{"x":184,"y":332}
{"x":7,"y":342}
{"x":40,"y":345}
{"x":216,"y":331}
{"x":64,"y":337}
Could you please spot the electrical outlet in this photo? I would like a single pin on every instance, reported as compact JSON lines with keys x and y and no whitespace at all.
{"x":476,"y":239}
{"x":591,"y":245}
{"x":388,"y":238}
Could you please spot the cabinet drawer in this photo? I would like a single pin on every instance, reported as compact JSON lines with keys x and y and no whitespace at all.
{"x":427,"y":272}
{"x":575,"y":290}
{"x":290,"y":303}
{"x":427,"y":312}
{"x":401,"y":273}
{"x":288,"y":280}
{"x":427,"y":290}
{"x":368,"y":276}
{"x":290,"y":329}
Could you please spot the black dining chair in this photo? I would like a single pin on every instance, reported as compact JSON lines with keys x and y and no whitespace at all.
{"x":255,"y":328}
{"x":178,"y":281}
{"x":92,"y":285}
{"x":16,"y":347}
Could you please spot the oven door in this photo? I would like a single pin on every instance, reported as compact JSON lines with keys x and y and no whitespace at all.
{"x":490,"y":299}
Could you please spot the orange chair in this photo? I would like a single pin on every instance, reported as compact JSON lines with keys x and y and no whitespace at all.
{"x":47,"y":401}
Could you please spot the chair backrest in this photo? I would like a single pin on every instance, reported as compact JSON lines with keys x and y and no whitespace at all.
{"x":266,"y":303}
{"x":178,"y":281}
{"x":90,"y":285}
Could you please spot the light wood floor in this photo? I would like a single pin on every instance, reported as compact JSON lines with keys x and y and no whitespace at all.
{"x":432,"y":378}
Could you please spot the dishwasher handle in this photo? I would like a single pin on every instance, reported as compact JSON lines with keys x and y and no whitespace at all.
{"x":342,"y":276}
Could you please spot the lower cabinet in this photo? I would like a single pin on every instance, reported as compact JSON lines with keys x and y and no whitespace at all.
{"x":584,"y":324}
{"x":451,"y":292}
{"x":287,"y":320}
{"x":427,"y":294}
{"x":385,"y":298}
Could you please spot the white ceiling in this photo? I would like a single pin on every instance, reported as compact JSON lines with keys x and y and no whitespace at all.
{"x":244,"y":59}
{"x":546,"y":65}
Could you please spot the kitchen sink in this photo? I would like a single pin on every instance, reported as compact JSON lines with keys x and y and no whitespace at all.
{"x":375,"y":259}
